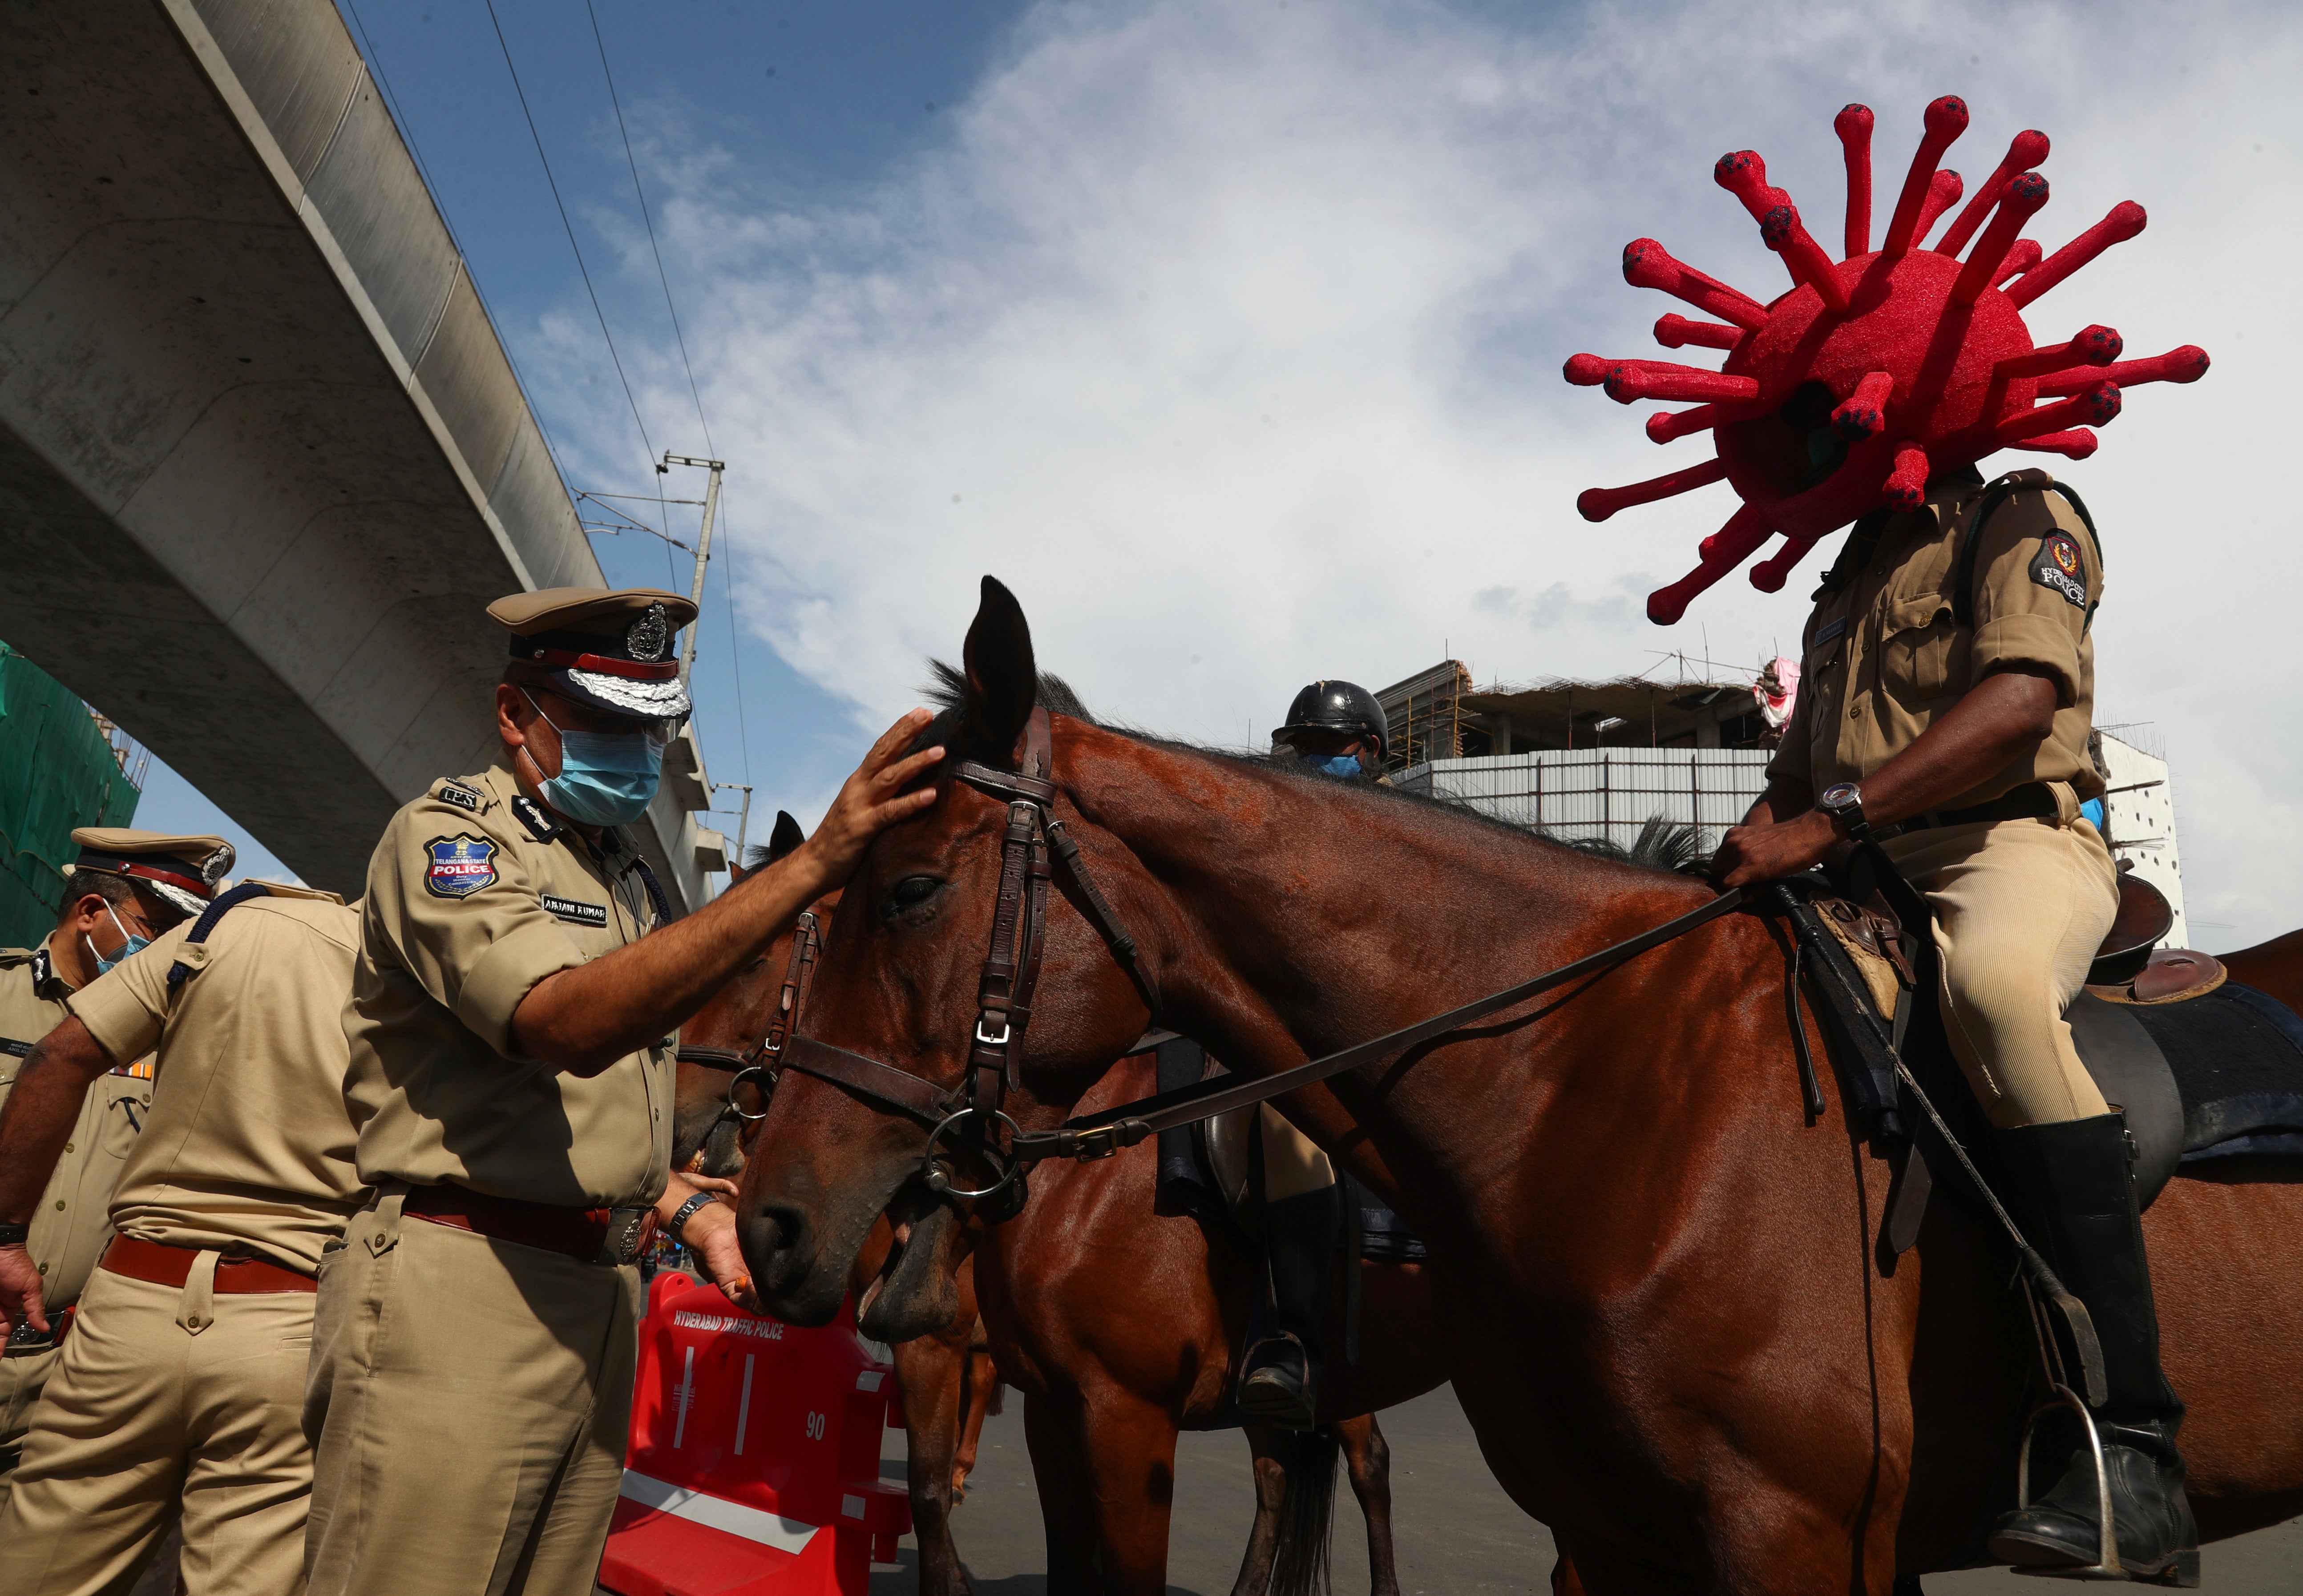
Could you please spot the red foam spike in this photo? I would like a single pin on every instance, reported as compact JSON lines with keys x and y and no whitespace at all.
{"x":1943,"y":193}
{"x":1722,"y":552}
{"x":1907,"y":483}
{"x":1853,"y":126}
{"x":2025,"y":194}
{"x":1596,"y":504}
{"x":2186,"y":365}
{"x":1946,"y":119}
{"x":1655,"y":380}
{"x":2028,"y":150}
{"x":1649,"y":264}
{"x":1744,"y":175}
{"x":2093,"y":406}
{"x":2125,"y":220}
{"x":2020,"y":259}
{"x":2076,"y":444}
{"x":1768,"y":575}
{"x":1861,"y":414}
{"x":2095,"y":346}
{"x":1588,"y":371}
{"x":1673,"y":330}
{"x":1668,"y":427}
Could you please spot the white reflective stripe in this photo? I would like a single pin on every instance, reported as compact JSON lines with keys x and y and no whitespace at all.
{"x":750,"y":1524}
{"x":851,"y":1506}
{"x":683,"y":1394}
{"x":744,"y":1407}
{"x":869,"y":1380}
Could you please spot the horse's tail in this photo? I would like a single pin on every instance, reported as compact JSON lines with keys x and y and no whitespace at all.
{"x":1299,"y":1559}
{"x":996,"y":1403}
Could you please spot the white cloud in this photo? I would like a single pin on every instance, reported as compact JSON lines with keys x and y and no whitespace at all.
{"x":1230,"y":337}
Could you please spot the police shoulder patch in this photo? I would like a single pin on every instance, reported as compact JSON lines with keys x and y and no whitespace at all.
{"x":459,"y":865}
{"x":470,"y":799}
{"x":2060,"y":567}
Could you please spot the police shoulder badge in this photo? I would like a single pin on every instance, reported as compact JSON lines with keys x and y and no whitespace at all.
{"x":459,"y":865}
{"x":649,"y":635}
{"x":2059,"y":566}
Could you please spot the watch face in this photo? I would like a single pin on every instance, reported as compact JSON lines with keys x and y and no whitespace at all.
{"x":1839,"y":796}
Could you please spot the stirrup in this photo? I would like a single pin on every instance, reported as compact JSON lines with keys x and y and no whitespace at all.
{"x":2183,"y":1571}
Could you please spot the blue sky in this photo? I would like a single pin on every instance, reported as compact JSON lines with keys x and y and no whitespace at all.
{"x":1230,"y":334}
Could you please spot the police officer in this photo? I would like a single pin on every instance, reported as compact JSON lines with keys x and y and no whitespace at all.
{"x":1944,"y":699}
{"x":125,"y":888}
{"x":510,"y":1026}
{"x":183,"y":1377}
{"x":1338,"y":730}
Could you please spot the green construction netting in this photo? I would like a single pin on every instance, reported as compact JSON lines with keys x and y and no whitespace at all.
{"x":57,"y":771}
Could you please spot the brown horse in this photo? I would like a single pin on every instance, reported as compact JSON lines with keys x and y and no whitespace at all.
{"x":1659,"y":1289}
{"x":1106,"y":1350}
{"x":2274,"y":967}
{"x":1121,"y":1326}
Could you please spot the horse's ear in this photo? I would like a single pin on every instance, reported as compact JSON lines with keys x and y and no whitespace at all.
{"x":786,"y":836}
{"x":1003,"y":683}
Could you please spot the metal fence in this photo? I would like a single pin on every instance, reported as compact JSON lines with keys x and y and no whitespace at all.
{"x":1603,"y":792}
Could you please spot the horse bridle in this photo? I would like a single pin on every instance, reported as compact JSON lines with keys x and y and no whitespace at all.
{"x":970,"y":1112}
{"x":763,"y":1058}
{"x":973,"y":1114}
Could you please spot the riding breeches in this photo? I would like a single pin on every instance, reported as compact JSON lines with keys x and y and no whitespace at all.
{"x":2020,"y":908}
{"x":1292,"y":1163}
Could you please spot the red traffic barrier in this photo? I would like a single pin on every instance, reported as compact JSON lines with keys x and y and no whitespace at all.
{"x":754,"y":1465}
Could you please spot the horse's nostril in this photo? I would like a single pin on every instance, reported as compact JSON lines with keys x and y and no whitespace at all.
{"x":773,"y":1237}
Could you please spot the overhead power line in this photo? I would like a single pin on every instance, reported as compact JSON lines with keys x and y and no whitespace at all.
{"x":569,"y":227}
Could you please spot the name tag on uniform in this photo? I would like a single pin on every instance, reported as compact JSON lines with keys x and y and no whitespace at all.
{"x":581,"y":914}
{"x":1831,"y":633}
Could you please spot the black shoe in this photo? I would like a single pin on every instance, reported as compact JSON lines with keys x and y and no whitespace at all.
{"x":1281,"y":1382}
{"x":1279,"y":1387}
{"x":2071,"y":1188}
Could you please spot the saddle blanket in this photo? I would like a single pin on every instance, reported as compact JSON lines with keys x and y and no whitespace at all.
{"x":2237,"y":1056}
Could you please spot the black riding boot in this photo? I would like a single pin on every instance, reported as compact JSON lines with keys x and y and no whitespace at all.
{"x":1282,"y":1383}
{"x":2071,"y":1188}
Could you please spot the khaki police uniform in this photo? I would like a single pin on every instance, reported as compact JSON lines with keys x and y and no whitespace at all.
{"x":470,"y":1395}
{"x":71,"y":1225}
{"x":2020,"y":904}
{"x":194,"y":1391}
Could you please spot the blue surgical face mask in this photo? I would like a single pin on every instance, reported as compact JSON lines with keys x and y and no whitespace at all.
{"x":606,"y":778}
{"x":131,"y":945}
{"x":1346,"y":765}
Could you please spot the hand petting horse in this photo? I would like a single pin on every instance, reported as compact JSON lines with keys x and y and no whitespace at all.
{"x":1658,"y":1293}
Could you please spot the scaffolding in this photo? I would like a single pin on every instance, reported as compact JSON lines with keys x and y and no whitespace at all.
{"x":62,"y":766}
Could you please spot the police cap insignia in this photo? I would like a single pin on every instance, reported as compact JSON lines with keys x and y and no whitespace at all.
{"x":2058,"y":566}
{"x":460,"y":865}
{"x":649,"y":635}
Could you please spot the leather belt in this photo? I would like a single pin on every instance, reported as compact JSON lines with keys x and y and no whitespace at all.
{"x":160,"y":1265}
{"x":579,"y":1233}
{"x":2033,"y":801}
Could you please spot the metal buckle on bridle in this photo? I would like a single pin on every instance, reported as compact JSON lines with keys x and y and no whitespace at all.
{"x":933,"y":1175}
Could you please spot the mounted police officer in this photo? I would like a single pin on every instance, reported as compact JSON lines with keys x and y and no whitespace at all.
{"x":1338,"y":730}
{"x":124,"y":888}
{"x":510,"y":1026}
{"x":1944,"y":702}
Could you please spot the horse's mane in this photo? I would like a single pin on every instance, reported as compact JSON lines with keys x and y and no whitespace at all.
{"x":1671,"y":846}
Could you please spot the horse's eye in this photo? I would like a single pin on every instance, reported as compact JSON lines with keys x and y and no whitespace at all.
{"x":913,"y":890}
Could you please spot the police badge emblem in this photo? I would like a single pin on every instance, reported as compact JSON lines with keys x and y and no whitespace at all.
{"x":2059,"y":569}
{"x":649,"y":635}
{"x":462,"y":865}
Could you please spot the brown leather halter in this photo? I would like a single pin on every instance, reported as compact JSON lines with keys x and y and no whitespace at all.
{"x":763,"y":1058}
{"x":973,"y":1114}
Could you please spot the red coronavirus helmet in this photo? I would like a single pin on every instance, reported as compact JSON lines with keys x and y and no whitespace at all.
{"x":1876,"y":372}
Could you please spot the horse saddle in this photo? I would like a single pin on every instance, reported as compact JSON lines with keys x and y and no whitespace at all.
{"x":2208,"y":1072}
{"x":1209,"y":1168}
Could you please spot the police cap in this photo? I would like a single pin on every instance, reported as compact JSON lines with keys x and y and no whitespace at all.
{"x":182,"y":870}
{"x":614,"y":650}
{"x":1332,"y":706}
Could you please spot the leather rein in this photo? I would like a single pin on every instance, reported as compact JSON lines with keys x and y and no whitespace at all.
{"x":970,"y":1113}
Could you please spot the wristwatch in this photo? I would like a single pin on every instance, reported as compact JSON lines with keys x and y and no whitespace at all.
{"x":686,"y":1212}
{"x":15,"y":1235}
{"x":1843,"y":801}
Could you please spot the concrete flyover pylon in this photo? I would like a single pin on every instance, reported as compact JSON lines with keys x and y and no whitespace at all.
{"x":263,"y":459}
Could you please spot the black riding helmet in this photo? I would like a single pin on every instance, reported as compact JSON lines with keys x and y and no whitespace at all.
{"x":1337,"y":707}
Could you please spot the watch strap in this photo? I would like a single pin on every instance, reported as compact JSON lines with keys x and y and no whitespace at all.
{"x":686,"y":1212}
{"x":15,"y":1235}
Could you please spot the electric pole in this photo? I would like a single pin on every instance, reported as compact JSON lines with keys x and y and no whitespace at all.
{"x":702,"y":557}
{"x":744,"y":819}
